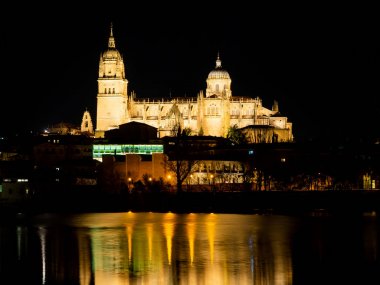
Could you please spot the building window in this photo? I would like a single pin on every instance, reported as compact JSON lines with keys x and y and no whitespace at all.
{"x":235,"y":112}
{"x":212,"y":110}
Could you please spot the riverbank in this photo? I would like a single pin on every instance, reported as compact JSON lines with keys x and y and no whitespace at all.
{"x":203,"y":202}
{"x":261,"y":201}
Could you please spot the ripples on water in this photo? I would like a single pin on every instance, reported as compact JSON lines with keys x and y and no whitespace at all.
{"x":167,"y":248}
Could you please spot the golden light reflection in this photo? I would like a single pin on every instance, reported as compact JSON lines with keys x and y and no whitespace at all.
{"x":191,"y":236}
{"x":167,"y":248}
{"x":169,"y":232}
{"x":211,"y":234}
{"x":84,"y":258}
{"x":129,"y":239}
{"x":149,"y":233}
{"x":129,"y":227}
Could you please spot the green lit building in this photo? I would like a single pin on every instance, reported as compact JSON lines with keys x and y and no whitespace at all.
{"x":99,"y":150}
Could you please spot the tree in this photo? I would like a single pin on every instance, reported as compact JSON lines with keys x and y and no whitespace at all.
{"x":187,"y":132}
{"x":179,"y":161}
{"x":152,"y":185}
{"x":248,"y":176}
{"x":236,"y":136}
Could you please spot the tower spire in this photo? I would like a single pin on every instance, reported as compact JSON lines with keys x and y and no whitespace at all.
{"x":218,"y":61}
{"x":111,"y":40}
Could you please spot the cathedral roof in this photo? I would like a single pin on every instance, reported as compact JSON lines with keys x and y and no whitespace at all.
{"x":218,"y":72}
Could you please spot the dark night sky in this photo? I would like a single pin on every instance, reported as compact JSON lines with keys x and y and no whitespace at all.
{"x":320,"y":63}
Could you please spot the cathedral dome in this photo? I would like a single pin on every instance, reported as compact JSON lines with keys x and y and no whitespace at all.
{"x":218,"y":72}
{"x":111,"y":53}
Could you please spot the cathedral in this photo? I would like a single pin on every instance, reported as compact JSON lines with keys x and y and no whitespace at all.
{"x":211,"y":113}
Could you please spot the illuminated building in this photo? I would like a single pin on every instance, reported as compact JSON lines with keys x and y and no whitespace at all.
{"x":86,"y":125}
{"x":210,"y":113}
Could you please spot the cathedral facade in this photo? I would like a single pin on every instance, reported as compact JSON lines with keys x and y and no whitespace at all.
{"x":212,"y":112}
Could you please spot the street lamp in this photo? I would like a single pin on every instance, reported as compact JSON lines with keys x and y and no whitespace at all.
{"x":189,"y":182}
{"x":130,"y":184}
{"x":169,"y":177}
{"x":212,"y":183}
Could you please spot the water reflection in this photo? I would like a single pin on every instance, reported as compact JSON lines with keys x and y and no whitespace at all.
{"x":167,"y":248}
{"x":42,"y":235}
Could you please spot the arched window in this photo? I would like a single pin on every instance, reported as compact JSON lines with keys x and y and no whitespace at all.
{"x":212,"y":110}
{"x":235,"y":112}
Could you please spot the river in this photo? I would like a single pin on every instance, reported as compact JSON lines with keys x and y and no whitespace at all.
{"x":201,"y":248}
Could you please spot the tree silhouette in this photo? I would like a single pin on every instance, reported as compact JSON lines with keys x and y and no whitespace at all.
{"x":179,"y":161}
{"x":236,"y":136}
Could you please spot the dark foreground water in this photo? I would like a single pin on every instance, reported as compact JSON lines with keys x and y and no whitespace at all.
{"x":167,"y":248}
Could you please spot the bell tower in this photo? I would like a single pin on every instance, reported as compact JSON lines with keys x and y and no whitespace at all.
{"x":86,"y":125}
{"x":112,"y":89}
